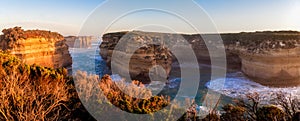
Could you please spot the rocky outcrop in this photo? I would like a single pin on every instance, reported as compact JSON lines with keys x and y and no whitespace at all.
{"x":270,"y":58}
{"x":79,"y":41}
{"x":39,"y":47}
{"x":277,"y":68}
{"x":141,"y":59}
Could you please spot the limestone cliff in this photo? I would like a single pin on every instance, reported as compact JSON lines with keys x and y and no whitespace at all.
{"x":270,"y":58}
{"x":39,"y":47}
{"x":79,"y":41}
{"x":141,"y":60}
{"x":279,"y":68}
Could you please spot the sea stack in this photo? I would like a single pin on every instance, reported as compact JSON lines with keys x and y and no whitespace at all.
{"x":38,"y":47}
{"x":142,"y":60}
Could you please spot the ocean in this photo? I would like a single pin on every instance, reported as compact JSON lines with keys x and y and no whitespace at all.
{"x":236,"y":85}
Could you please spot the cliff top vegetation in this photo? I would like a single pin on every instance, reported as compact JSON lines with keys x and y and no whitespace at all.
{"x":12,"y":35}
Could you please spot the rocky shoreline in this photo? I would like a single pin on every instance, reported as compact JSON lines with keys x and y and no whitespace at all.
{"x":269,"y":58}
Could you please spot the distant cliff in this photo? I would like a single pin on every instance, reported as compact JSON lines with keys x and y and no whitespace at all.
{"x":270,"y":58}
{"x":79,"y":41}
{"x":39,"y":47}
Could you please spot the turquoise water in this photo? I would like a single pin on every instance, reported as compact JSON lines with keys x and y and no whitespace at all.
{"x":236,"y":84}
{"x":89,"y":60}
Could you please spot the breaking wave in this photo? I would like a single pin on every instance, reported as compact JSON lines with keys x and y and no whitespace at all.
{"x":237,"y":86}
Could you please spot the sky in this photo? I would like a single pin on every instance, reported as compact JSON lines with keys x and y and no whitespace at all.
{"x":86,"y":17}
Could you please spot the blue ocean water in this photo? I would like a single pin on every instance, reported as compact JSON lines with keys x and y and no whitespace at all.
{"x":236,"y":84}
{"x":88,"y":60}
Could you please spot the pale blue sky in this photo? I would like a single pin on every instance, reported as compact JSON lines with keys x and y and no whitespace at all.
{"x":67,"y":16}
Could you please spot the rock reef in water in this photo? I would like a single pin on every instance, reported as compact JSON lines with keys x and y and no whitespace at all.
{"x":270,"y":58}
{"x":38,"y":47}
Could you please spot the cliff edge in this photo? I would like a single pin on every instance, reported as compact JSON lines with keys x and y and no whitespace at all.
{"x":269,"y":57}
{"x":79,"y":41}
{"x":142,"y":59}
{"x":39,"y":47}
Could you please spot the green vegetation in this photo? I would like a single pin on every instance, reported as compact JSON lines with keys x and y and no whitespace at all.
{"x":110,"y":102}
{"x":261,"y":41}
{"x":12,"y":35}
{"x":269,"y":113}
{"x":127,"y":103}
{"x":284,"y":108}
{"x":31,"y":92}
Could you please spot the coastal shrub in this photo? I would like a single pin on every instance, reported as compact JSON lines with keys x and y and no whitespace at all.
{"x":145,"y":104}
{"x":248,"y":109}
{"x":110,"y":99}
{"x":110,"y":95}
{"x":270,"y":113}
{"x":28,"y":92}
{"x":233,"y":113}
{"x":212,"y":116}
{"x":284,"y":107}
{"x":32,"y":92}
{"x":251,"y":105}
{"x":296,"y":116}
{"x":12,"y":35}
{"x":288,"y":103}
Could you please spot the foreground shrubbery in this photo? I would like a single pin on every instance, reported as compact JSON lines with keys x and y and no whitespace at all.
{"x":126,"y":102}
{"x":284,"y":108}
{"x":31,"y":92}
{"x":110,"y":100}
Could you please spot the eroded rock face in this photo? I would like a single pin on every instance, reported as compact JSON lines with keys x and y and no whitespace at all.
{"x":270,"y":58}
{"x":278,"y":68}
{"x":141,"y":51}
{"x":39,"y":47}
{"x":79,"y":41}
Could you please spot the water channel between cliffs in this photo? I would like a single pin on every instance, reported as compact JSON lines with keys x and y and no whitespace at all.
{"x":236,"y":83}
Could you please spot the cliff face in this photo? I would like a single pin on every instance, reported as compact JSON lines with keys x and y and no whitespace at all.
{"x":270,"y":58}
{"x":79,"y":42}
{"x":141,"y":59}
{"x":278,"y":68}
{"x":39,"y":47}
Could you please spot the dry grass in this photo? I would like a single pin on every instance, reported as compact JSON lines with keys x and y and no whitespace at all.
{"x":33,"y":92}
{"x":107,"y":100}
{"x":145,"y":104}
